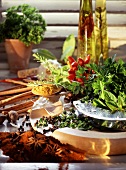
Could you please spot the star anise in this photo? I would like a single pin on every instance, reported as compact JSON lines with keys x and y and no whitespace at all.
{"x":35,"y":143}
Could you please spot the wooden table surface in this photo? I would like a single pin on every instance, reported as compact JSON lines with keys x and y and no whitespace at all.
{"x":93,"y":162}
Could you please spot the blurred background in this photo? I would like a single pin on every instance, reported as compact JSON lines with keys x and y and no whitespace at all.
{"x":62,"y":20}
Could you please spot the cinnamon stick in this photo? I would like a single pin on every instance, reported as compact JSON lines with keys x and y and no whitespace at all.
{"x":15,"y":82}
{"x":11,"y":88}
{"x":14,"y":91}
{"x":19,"y":106}
{"x":16,"y":98}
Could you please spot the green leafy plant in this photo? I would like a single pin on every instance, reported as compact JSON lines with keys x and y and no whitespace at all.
{"x":23,"y":22}
{"x":108,"y":89}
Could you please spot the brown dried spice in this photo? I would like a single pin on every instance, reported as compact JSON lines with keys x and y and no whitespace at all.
{"x":33,"y":146}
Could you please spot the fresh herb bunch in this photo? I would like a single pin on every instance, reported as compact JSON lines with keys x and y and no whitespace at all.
{"x":72,"y":76}
{"x":108,"y":89}
{"x":29,"y":26}
{"x":57,"y":74}
{"x":103,"y":85}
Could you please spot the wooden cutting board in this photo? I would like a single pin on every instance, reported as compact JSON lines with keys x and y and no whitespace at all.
{"x":93,"y":142}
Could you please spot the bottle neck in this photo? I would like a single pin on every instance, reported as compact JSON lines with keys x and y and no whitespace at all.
{"x":86,"y":5}
{"x":100,"y":3}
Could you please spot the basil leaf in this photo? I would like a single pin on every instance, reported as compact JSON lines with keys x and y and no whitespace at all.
{"x":96,"y":86}
{"x":102,"y":95}
{"x":109,"y":96}
{"x":120,"y":102}
{"x":98,"y":103}
{"x":112,"y":105}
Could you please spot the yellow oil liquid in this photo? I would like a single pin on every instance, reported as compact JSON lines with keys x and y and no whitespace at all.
{"x":86,"y":41}
{"x":101,"y":35}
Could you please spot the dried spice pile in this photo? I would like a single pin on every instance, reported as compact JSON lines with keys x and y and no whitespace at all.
{"x":32,"y":146}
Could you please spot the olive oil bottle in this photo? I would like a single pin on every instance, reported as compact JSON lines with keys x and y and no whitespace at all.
{"x":86,"y":39}
{"x":101,"y":36}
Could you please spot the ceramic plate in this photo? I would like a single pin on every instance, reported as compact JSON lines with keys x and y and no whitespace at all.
{"x":98,"y":113}
{"x":93,"y":142}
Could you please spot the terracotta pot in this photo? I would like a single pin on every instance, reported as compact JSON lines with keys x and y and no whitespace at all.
{"x":18,"y":54}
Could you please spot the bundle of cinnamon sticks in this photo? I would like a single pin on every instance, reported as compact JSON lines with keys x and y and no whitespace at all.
{"x":19,"y":97}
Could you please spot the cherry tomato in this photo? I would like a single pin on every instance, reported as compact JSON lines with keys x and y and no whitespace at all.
{"x":87,"y":59}
{"x":80,"y":80}
{"x":71,"y":77}
{"x":80,"y":61}
{"x":74,"y":68}
{"x":71,"y":59}
{"x":74,"y":64}
{"x":71,"y":71}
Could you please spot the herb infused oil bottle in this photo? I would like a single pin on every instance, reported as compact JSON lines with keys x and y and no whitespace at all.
{"x":86,"y":39}
{"x":101,"y":36}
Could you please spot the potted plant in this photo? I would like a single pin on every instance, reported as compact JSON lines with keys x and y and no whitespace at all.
{"x":23,"y":27}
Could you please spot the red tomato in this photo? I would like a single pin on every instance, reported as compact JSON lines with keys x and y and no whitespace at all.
{"x":71,"y":71}
{"x":80,"y":61}
{"x":80,"y":80}
{"x":71,"y":77}
{"x":74,"y":68}
{"x":87,"y":59}
{"x":71,"y":59}
{"x":74,"y":64}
